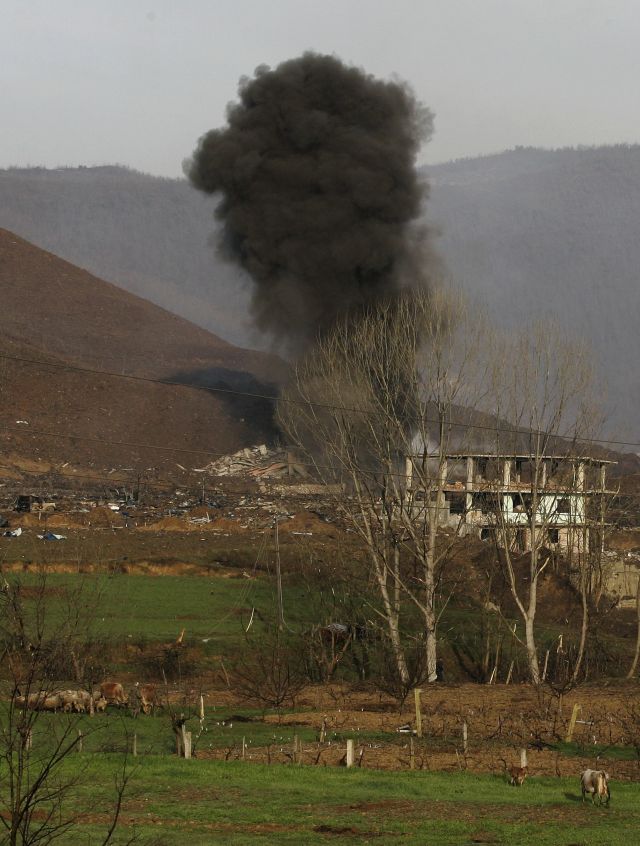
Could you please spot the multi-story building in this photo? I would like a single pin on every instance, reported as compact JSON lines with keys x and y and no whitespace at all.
{"x":493,"y":496}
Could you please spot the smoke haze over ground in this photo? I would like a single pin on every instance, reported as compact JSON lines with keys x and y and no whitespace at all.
{"x":319,"y":192}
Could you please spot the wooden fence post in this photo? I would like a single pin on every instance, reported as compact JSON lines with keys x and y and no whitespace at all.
{"x":323,"y":731}
{"x":572,"y":723}
{"x":186,"y":743}
{"x":201,"y":710}
{"x":244,"y":748}
{"x":465,"y":738}
{"x":350,"y":753}
{"x":523,"y":758}
{"x":417,"y":694}
{"x":546,"y":663}
{"x":80,"y":739}
{"x":134,"y":750}
{"x":509,"y":674}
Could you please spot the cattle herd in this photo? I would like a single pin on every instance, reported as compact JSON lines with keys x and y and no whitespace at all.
{"x":143,"y":698}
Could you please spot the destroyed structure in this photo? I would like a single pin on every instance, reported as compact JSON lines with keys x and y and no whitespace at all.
{"x":492,"y":497}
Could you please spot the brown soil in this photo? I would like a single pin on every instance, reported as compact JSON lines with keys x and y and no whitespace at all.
{"x":55,"y":312}
{"x":501,"y":719}
{"x":307,"y":521}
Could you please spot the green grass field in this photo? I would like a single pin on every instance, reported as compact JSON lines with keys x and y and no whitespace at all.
{"x":130,"y":606}
{"x":172,"y":801}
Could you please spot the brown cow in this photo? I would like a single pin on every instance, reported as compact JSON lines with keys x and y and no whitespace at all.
{"x":145,"y":698}
{"x":113,"y":692}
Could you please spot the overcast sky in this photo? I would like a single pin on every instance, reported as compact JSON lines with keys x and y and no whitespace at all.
{"x":138,"y":81}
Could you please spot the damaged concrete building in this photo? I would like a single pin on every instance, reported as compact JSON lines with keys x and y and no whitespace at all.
{"x":492,"y":497}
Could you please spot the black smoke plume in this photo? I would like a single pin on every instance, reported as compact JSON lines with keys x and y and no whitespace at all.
{"x":319,"y":192}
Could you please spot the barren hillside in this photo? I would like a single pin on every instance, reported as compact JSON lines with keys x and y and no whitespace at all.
{"x":56,"y":313}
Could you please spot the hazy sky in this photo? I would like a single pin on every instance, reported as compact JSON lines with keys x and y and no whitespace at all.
{"x":138,"y":81}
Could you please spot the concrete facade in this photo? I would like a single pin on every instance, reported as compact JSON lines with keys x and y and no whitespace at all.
{"x":488,"y":495}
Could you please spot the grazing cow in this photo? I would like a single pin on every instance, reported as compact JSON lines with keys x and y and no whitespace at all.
{"x":114,"y":693}
{"x":517,"y":775}
{"x":596,"y":783}
{"x":145,"y":698}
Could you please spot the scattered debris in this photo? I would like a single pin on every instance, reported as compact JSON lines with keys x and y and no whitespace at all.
{"x":12,"y":533}
{"x":33,"y":504}
{"x":51,"y":536}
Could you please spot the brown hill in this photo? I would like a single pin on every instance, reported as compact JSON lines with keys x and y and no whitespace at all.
{"x":56,"y":313}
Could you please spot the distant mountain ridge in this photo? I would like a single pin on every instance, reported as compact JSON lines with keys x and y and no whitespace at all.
{"x":553,"y":234}
{"x":527,"y":232}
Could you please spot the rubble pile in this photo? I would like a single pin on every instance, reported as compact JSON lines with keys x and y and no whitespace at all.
{"x":258,"y":462}
{"x":238,"y":463}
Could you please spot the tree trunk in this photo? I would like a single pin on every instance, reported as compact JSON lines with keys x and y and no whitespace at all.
{"x":429,"y":616}
{"x":532,"y":653}
{"x":584,"y":626}
{"x":634,"y":663}
{"x":391,"y":617}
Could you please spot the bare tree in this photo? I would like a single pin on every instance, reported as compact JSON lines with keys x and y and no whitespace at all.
{"x":381,"y":399}
{"x":544,"y":388}
{"x":33,"y":784}
{"x":636,"y":655}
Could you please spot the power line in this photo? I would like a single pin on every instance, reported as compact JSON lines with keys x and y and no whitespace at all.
{"x":292,"y":401}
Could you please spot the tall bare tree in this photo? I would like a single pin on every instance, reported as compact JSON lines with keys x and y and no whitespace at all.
{"x":544,"y":389}
{"x":376,"y":407}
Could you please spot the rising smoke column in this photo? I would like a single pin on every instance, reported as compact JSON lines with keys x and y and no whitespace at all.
{"x":316,"y":171}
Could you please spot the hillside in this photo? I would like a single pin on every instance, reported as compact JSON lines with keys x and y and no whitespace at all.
{"x":57,"y":313}
{"x":553,"y":235}
{"x":149,"y":235}
{"x":527,"y":232}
